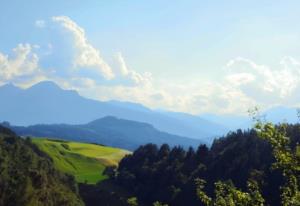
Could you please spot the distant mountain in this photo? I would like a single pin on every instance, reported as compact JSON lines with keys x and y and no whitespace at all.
{"x":46,"y":103}
{"x":231,"y":122}
{"x":275,"y":115}
{"x":109,"y":131}
{"x":208,"y":126}
{"x":130,"y":105}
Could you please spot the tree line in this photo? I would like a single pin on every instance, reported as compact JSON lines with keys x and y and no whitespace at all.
{"x":260,"y":166}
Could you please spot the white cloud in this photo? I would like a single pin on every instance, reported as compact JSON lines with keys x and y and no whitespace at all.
{"x":23,"y":62}
{"x":240,"y":78}
{"x":245,"y":83}
{"x":87,"y":56}
{"x":122,"y":64}
{"x":264,"y":84}
{"x":40,"y":23}
{"x":130,"y":75}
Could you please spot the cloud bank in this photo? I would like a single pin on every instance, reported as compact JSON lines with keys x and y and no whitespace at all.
{"x":244,"y":83}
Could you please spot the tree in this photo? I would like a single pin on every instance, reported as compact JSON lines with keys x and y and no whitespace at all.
{"x":226,"y":194}
{"x":132,"y":201}
{"x":159,"y":204}
{"x":110,"y":171}
{"x":287,"y":160}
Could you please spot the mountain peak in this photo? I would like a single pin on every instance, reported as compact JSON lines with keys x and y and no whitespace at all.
{"x":46,"y":85}
{"x":114,"y":121}
{"x":104,"y":119}
{"x":9,"y":87}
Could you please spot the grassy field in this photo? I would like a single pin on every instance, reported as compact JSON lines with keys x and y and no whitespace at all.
{"x":85,"y":161}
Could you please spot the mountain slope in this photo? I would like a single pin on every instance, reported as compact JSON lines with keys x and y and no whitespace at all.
{"x":46,"y":103}
{"x":109,"y":131}
{"x":233,"y":122}
{"x":275,"y":115}
{"x":85,"y":161}
{"x":28,"y":177}
{"x":206,"y":125}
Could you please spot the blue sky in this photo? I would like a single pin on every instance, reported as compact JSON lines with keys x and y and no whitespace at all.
{"x":192,"y":56}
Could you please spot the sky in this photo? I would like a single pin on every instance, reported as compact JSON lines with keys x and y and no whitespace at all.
{"x":190,"y":56}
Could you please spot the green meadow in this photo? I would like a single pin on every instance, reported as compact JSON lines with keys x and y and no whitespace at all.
{"x":85,"y":161}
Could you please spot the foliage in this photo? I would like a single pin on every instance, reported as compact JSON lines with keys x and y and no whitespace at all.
{"x":159,"y":204}
{"x":287,"y":160}
{"x":28,"y":177}
{"x":242,"y":158}
{"x":132,"y":201}
{"x":226,"y":194}
{"x":110,"y":171}
{"x":104,"y":193}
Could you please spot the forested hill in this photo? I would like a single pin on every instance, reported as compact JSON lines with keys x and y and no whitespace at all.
{"x":168,"y":175}
{"x":110,"y":131}
{"x":152,"y":173}
{"x":27,"y":176}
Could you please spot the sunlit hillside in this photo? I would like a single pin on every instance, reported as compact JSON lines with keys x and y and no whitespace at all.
{"x":85,"y":161}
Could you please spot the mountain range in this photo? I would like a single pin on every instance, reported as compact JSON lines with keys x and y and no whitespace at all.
{"x":110,"y":131}
{"x":47,"y":103}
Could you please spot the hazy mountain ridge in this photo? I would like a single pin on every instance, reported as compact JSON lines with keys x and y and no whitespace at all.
{"x":47,"y":103}
{"x":109,"y":131}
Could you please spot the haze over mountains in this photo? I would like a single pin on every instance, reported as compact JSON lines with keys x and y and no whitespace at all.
{"x":274,"y":115}
{"x":109,"y":131}
{"x":47,"y":103}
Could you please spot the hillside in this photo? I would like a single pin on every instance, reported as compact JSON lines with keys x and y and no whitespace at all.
{"x":109,"y":131}
{"x":168,"y":174}
{"x":28,"y":176}
{"x":85,"y":161}
{"x":41,"y":104}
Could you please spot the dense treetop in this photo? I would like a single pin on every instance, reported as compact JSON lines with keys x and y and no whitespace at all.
{"x":168,"y":175}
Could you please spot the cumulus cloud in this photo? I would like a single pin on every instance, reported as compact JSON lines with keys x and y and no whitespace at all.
{"x":87,"y":56}
{"x":130,"y":75}
{"x":23,"y":62}
{"x":263,"y":83}
{"x":122,"y":64}
{"x":240,"y":78}
{"x":244,"y":84}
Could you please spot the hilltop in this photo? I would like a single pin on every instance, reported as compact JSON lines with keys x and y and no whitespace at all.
{"x":110,"y":131}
